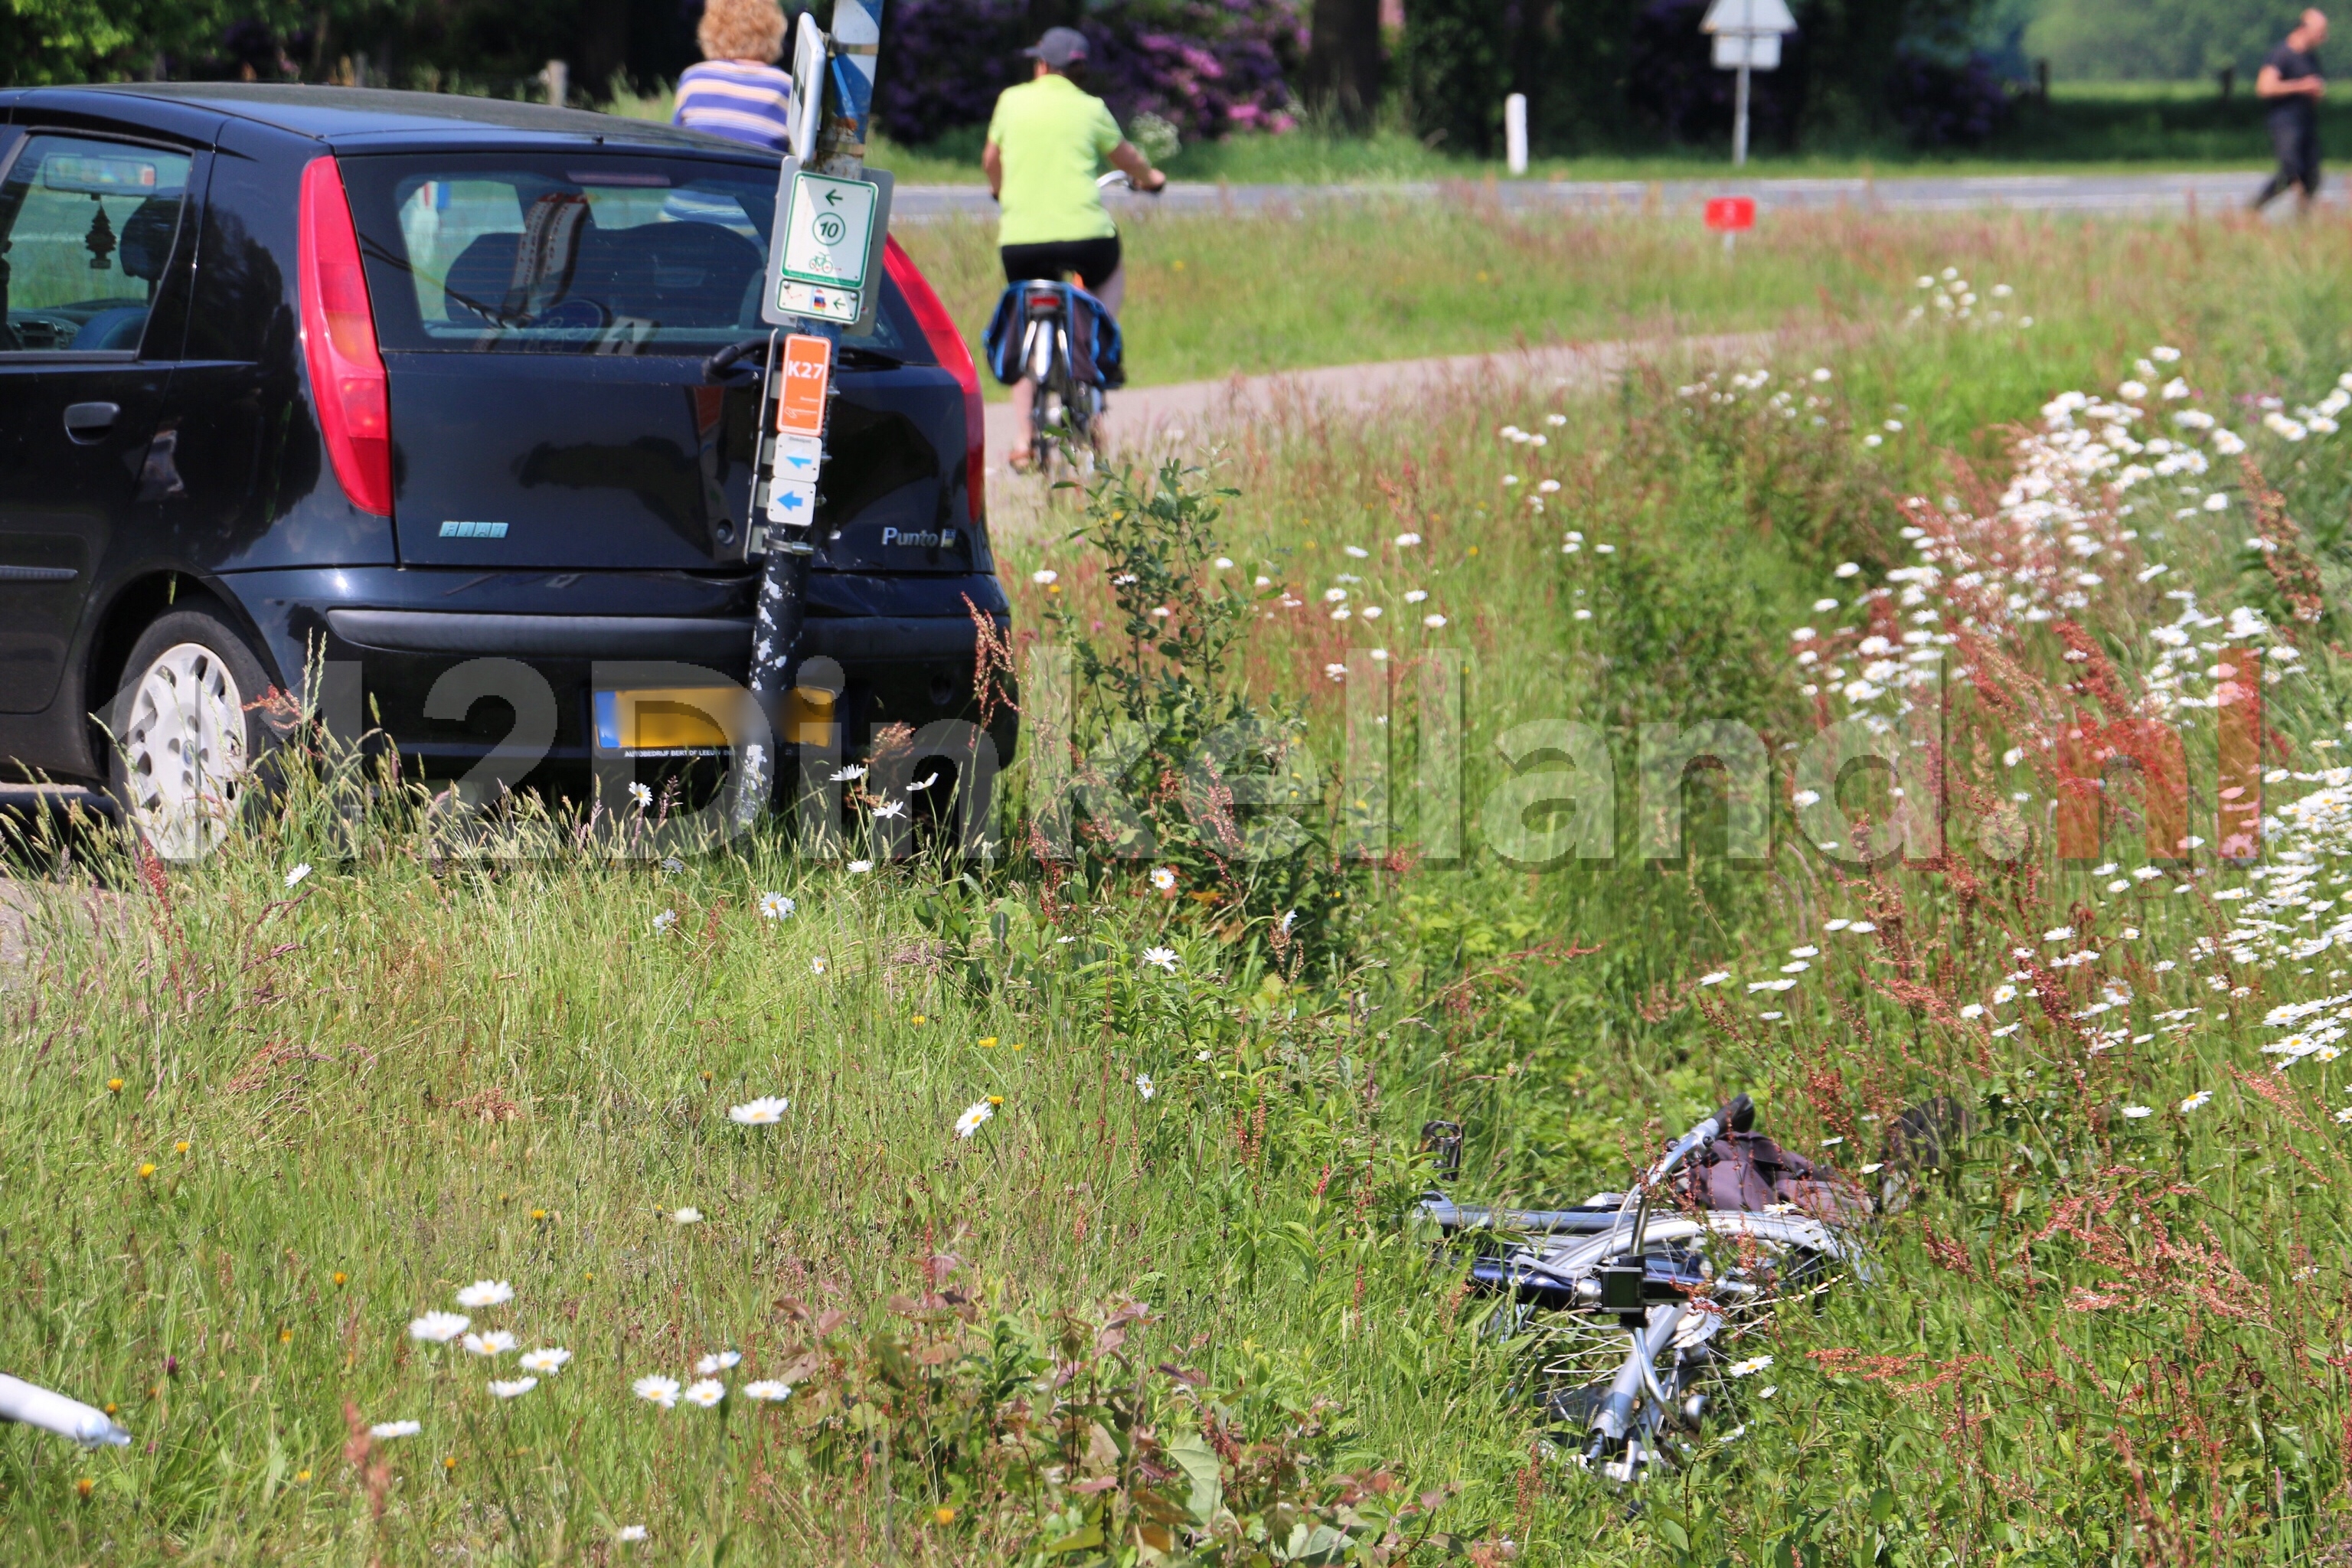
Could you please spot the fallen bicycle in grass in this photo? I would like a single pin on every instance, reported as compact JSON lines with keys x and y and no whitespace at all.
{"x":1626,"y":1308}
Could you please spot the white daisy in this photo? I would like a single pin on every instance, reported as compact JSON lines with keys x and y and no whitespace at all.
{"x":486,"y":1293}
{"x":640,"y":793}
{"x":1144,"y":1085}
{"x":1432,"y":621}
{"x":630,"y":1532}
{"x":1714,"y":977}
{"x":1163,"y":879}
{"x":768,"y":1388}
{"x":776,"y":906}
{"x":2134,"y":1113}
{"x":717,"y":1362}
{"x":891,"y":808}
{"x":548,"y":1360}
{"x":1044,"y":575}
{"x":818,"y":965}
{"x":664,"y":921}
{"x":859,"y":867}
{"x":514,"y":1389}
{"x":298,"y":873}
{"x":661,"y":1391}
{"x":2197,"y":1099}
{"x":765,"y":1111}
{"x":1163,"y":957}
{"x":707,"y":1393}
{"x":439,"y":1328}
{"x":496,"y":1343}
{"x":384,"y":1430}
{"x":849,"y":775}
{"x":689,"y":1215}
{"x":978,"y":1112}
{"x":1750,"y":1367}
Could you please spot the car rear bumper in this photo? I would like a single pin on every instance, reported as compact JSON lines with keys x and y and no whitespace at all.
{"x":907,"y":646}
{"x":721,"y":643}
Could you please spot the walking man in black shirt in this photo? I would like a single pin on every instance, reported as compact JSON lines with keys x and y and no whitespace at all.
{"x":2290,"y":84}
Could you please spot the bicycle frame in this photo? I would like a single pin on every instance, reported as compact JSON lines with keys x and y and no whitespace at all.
{"x":1047,"y":362}
{"x":1581,"y":1267}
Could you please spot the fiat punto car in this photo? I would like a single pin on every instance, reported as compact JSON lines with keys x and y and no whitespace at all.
{"x":382,"y":385}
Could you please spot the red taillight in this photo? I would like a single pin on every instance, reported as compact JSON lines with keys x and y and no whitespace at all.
{"x":347,"y":381}
{"x":947,"y":346}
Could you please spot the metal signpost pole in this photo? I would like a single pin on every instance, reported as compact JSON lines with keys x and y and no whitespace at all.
{"x":1747,"y":35}
{"x":801,"y":367}
{"x":1739,"y":114}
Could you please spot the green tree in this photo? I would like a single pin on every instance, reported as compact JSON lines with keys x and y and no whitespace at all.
{"x":2165,"y":40}
{"x":495,"y":46}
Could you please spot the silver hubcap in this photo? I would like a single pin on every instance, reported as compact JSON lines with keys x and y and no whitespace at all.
{"x":186,"y":751}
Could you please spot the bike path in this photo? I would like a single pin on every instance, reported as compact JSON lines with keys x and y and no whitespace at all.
{"x":1145,"y":422}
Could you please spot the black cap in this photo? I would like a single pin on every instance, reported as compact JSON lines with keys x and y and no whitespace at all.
{"x":1060,"y":48}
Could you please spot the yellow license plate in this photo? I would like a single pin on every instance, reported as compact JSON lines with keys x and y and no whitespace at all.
{"x":672,"y":722}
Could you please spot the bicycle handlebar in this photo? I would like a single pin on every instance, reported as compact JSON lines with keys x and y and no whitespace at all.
{"x":1738,"y":1116}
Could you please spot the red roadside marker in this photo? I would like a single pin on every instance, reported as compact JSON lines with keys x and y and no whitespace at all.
{"x":1731,"y":215}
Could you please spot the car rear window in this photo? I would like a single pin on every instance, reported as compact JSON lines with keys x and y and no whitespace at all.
{"x":556,"y":252}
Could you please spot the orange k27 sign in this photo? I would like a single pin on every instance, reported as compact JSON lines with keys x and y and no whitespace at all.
{"x":807,"y":369}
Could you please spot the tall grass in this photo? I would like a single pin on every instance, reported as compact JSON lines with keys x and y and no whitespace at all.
{"x":409,"y":1071}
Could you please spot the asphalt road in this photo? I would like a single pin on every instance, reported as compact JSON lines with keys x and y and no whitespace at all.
{"x":2119,"y":195}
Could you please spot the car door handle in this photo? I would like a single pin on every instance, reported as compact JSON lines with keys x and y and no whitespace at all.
{"x":86,"y":422}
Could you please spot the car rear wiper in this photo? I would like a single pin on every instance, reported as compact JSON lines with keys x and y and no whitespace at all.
{"x":735,"y":366}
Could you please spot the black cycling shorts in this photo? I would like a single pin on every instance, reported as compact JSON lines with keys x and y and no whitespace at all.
{"x":1094,"y":261}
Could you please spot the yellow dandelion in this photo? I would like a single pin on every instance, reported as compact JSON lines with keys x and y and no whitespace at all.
{"x":1016,"y":1045}
{"x":341,"y":1276}
{"x":450,"y":1463}
{"x":85,"y":1486}
{"x":181,"y":1147}
{"x":285,"y":1336}
{"x":995,"y":1100}
{"x":942,"y":1515}
{"x":919,"y":1020}
{"x":146,"y":1171}
{"x":988,"y":1042}
{"x":539,"y":1213}
{"x":301,"y":1477}
{"x":110,"y":1407}
{"x":114,"y":1086}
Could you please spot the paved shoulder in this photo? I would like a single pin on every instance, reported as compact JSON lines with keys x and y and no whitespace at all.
{"x":2142,"y":194}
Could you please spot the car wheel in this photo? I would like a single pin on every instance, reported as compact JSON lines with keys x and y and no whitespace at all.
{"x":188,"y":730}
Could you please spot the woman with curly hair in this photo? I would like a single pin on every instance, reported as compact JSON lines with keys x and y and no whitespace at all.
{"x":737,"y":91}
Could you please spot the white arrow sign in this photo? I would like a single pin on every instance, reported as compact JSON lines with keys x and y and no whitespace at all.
{"x":1749,"y":17}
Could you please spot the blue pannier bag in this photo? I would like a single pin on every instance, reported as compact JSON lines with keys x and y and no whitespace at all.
{"x":1097,"y":353}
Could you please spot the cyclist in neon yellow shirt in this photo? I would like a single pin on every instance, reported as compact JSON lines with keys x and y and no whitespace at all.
{"x":1044,"y":144}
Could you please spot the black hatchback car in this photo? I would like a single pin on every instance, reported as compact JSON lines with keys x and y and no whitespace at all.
{"x":390,"y":383}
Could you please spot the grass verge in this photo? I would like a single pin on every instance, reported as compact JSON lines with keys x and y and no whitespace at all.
{"x":266,"y":1122}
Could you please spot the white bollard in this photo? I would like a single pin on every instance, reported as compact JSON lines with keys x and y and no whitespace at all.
{"x":557,"y":79}
{"x":1515,"y":132}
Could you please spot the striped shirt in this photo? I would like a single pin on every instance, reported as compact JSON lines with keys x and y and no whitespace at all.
{"x":737,"y":100}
